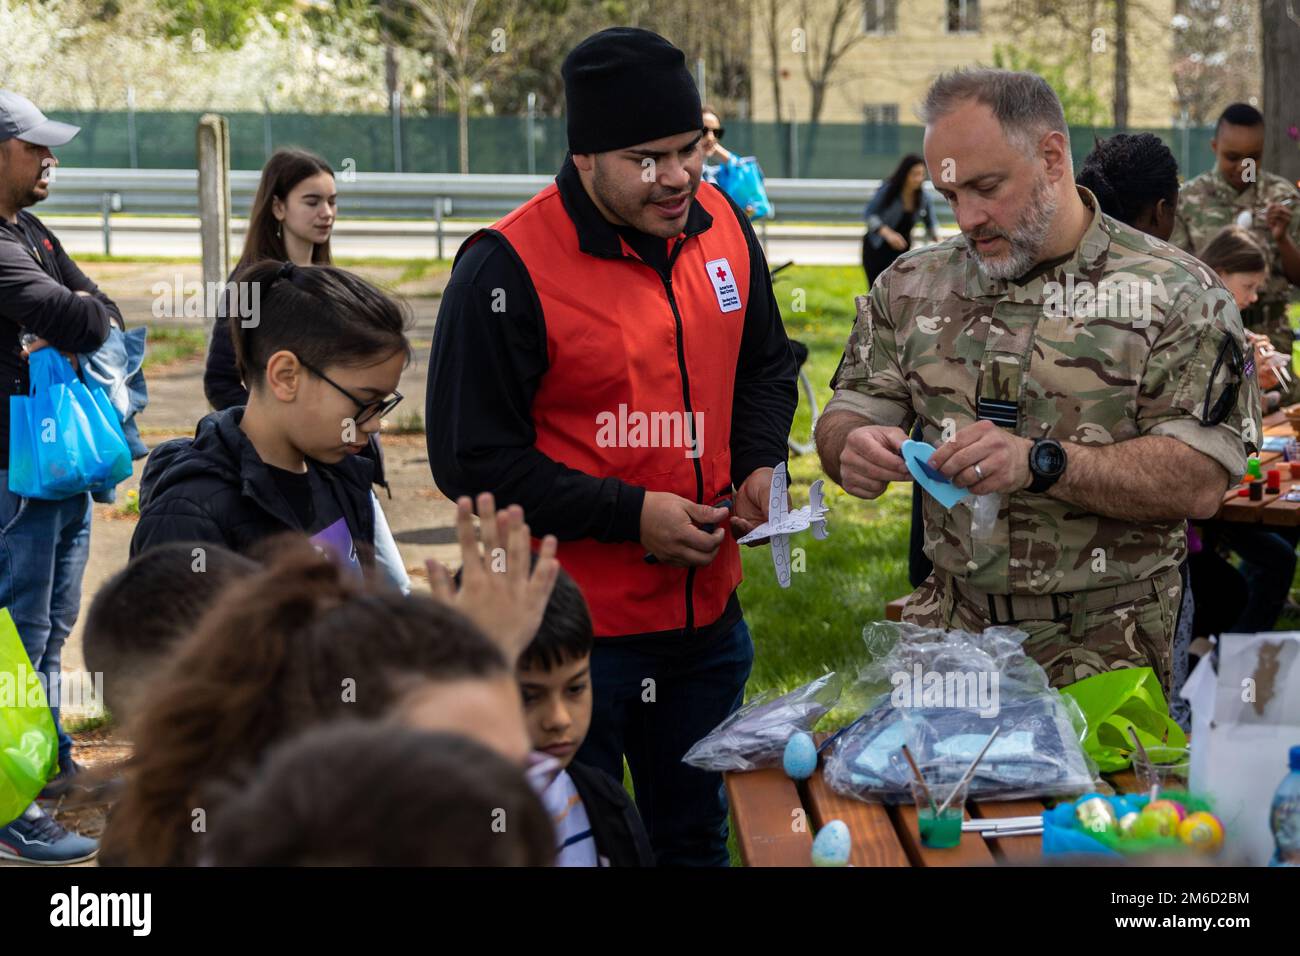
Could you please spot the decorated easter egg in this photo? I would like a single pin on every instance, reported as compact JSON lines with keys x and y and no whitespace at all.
{"x":1156,"y":821}
{"x":1173,"y":805}
{"x":1095,"y":814}
{"x":832,"y":845}
{"x":1126,"y":823}
{"x":1201,"y":831}
{"x":800,"y":758}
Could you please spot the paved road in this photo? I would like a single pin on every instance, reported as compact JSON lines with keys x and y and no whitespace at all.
{"x":808,"y":245}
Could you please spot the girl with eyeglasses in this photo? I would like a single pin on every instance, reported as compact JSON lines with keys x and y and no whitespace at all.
{"x":322,"y":362}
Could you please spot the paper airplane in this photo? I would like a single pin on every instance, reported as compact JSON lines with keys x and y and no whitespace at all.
{"x":780,"y":523}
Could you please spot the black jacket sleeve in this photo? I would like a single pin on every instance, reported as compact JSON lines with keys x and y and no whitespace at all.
{"x":78,"y":281}
{"x":765,"y":395}
{"x":35,"y":301}
{"x":221,"y":382}
{"x":485,"y":367}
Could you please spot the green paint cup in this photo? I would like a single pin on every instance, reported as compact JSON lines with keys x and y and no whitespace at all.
{"x":943,"y":832}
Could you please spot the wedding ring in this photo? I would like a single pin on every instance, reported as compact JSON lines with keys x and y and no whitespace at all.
{"x":979,"y":473}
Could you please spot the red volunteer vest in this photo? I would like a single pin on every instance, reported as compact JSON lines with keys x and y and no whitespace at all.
{"x":628,"y":383}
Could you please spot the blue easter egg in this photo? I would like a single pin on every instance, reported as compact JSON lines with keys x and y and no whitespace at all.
{"x":800,"y":758}
{"x":832,"y":845}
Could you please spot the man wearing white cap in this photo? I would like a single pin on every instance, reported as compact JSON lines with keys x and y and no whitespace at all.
{"x":45,"y":300}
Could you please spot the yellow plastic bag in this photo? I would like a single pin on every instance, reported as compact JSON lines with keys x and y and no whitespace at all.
{"x":29,"y":747}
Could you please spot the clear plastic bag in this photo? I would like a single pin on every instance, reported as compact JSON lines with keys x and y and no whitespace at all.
{"x":942,"y":693}
{"x":755,"y":736}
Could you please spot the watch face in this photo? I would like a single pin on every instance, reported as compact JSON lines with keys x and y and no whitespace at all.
{"x":1049,"y":458}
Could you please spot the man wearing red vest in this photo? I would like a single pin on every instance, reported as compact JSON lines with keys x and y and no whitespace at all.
{"x":611,"y":357}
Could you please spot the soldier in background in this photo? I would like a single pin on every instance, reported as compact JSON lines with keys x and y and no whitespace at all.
{"x":1236,"y":191}
{"x":1088,"y":378}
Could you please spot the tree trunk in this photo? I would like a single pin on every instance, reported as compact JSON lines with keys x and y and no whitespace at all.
{"x":1280,"y":36}
{"x":1121,"y":65}
{"x":773,"y":49}
{"x":815,"y":107}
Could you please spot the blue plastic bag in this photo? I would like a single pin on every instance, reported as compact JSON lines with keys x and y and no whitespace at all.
{"x":742,"y":180}
{"x":64,"y":438}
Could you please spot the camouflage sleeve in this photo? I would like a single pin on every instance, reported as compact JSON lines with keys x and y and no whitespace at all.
{"x":1184,"y":367}
{"x":1294,"y":227}
{"x":1181,"y":236}
{"x":869,"y":381}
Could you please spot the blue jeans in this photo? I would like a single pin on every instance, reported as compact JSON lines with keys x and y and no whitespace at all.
{"x":43,"y":551}
{"x":698,"y":683}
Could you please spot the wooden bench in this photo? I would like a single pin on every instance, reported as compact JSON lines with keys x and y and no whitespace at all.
{"x":775,"y":819}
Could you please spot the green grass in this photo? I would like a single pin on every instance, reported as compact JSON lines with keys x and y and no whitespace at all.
{"x":166,"y":345}
{"x":816,"y":624}
{"x":407,"y":423}
{"x":76,"y":724}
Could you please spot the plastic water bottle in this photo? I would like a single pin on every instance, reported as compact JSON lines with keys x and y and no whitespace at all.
{"x":1284,"y":817}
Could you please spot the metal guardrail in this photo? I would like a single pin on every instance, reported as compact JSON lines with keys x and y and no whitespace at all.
{"x":161,"y":192}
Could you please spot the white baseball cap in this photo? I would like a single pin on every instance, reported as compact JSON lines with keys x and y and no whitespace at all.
{"x":20,"y":119}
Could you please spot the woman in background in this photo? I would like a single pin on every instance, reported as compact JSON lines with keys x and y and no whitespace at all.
{"x":1135,"y":179}
{"x":292,"y":219}
{"x":895,"y":208}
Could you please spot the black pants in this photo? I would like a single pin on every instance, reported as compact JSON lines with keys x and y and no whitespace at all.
{"x":697,"y":683}
{"x":876,"y":261}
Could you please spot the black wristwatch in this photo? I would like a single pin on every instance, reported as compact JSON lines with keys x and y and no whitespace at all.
{"x":1046,"y":463}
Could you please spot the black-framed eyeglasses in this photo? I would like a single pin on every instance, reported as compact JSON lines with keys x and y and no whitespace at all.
{"x":717,"y":133}
{"x":1227,"y":400}
{"x":365,"y":410}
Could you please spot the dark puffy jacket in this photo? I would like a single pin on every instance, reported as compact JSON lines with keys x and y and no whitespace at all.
{"x":214,"y":487}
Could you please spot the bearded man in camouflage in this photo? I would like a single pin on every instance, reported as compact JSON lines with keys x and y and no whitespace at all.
{"x":1237,"y":192}
{"x":1088,"y":378}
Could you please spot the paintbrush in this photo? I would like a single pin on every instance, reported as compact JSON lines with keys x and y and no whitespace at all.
{"x":920,"y":781}
{"x":970,"y":772}
{"x":1146,"y":761}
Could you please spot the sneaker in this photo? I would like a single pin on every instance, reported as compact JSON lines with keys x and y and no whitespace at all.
{"x":36,"y":837}
{"x":65,"y":783}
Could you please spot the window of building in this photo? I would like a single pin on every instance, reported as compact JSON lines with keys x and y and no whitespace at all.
{"x":879,"y":16}
{"x":963,"y":16}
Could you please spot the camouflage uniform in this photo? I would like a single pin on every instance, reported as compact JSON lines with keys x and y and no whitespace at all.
{"x":1072,"y":350}
{"x":1208,"y":203}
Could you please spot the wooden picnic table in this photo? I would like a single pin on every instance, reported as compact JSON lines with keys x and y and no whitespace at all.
{"x":1272,"y":510}
{"x":775,"y":819}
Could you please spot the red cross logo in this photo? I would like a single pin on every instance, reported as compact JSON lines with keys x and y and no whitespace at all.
{"x":721,"y":274}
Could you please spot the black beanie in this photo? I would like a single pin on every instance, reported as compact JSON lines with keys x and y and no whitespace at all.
{"x":624,"y":86}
